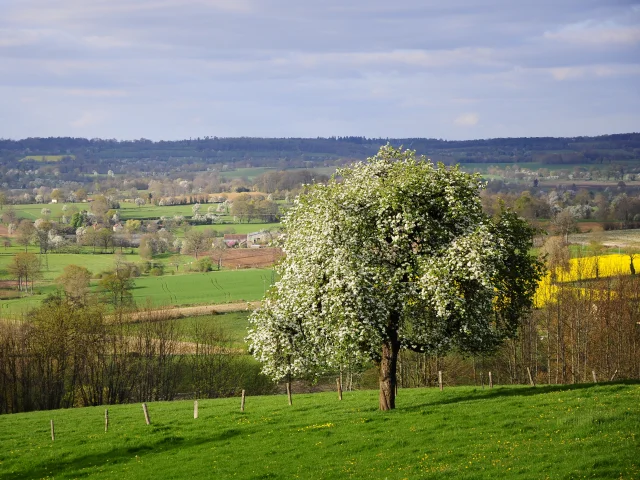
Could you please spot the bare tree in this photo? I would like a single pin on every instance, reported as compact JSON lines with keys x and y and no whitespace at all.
{"x":25,"y":267}
{"x":25,"y":233}
{"x":196,"y":242}
{"x":75,"y":282}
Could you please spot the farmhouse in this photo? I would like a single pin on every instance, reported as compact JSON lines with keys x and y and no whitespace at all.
{"x":257,"y":239}
{"x":235,"y":240}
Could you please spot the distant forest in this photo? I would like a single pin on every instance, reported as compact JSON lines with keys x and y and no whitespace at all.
{"x":73,"y":159}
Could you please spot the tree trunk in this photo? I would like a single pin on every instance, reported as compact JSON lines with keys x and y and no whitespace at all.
{"x":388,"y":366}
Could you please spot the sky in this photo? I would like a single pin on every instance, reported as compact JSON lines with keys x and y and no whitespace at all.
{"x":455,"y":69}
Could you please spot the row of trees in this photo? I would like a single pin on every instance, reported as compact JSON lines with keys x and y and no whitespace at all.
{"x":65,"y":354}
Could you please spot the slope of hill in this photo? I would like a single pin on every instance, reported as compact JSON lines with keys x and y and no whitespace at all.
{"x":514,"y":432}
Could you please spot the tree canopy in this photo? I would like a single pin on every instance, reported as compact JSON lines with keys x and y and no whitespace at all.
{"x":392,"y":253}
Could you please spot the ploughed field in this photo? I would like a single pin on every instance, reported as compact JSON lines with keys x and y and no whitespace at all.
{"x":464,"y":432}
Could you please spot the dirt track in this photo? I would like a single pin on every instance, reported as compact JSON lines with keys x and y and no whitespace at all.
{"x":179,"y":312}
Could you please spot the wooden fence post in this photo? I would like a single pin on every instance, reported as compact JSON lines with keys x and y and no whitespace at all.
{"x":242,"y":402}
{"x":289,"y":393}
{"x":530,"y":377}
{"x":195,"y":409}
{"x":595,"y":380}
{"x":440,"y":380}
{"x":53,"y":432}
{"x":106,"y":420}
{"x":146,"y":414}
{"x":490,"y":380}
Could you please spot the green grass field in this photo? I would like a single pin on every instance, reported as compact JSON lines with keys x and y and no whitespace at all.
{"x":53,"y":263}
{"x":226,"y":286}
{"x":553,"y":432}
{"x":32,"y":211}
{"x":233,"y":326}
{"x":237,"y":227}
{"x":132,"y":211}
{"x":203,"y":288}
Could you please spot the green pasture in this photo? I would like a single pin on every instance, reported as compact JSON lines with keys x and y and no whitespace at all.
{"x":130,"y":211}
{"x":32,"y":211}
{"x":233,"y":326}
{"x":510,"y":432}
{"x":226,"y":286}
{"x":240,"y":228}
{"x":127,"y":210}
{"x":53,"y":263}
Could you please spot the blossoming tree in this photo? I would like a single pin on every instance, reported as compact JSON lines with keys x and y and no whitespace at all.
{"x":392,"y":253}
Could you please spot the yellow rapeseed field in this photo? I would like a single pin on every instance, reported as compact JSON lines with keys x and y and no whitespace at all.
{"x":583,"y":268}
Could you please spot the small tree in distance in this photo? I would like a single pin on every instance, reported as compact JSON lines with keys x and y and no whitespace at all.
{"x":396,"y":255}
{"x":195,"y":242}
{"x":75,"y":281}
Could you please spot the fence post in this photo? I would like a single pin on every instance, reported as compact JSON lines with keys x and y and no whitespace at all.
{"x":53,"y":432}
{"x":106,"y":420}
{"x":440,"y":380}
{"x":146,"y":414}
{"x":242,"y":402}
{"x":195,"y":409}
{"x":490,"y":380}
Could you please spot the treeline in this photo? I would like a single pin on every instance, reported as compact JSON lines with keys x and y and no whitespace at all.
{"x":264,"y":151}
{"x":67,"y":355}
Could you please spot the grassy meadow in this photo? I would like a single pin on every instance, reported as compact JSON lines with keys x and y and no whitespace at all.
{"x":197,"y":288}
{"x":579,"y":431}
{"x":232,"y":325}
{"x":226,"y":286}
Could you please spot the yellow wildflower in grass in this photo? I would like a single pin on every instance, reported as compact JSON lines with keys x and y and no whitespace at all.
{"x":316,"y":427}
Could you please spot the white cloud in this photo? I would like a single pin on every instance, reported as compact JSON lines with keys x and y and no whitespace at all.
{"x":94,"y":92}
{"x":593,"y":34}
{"x":467,"y":120}
{"x":592,"y":71}
{"x":414,"y":58}
{"x":87,"y":119}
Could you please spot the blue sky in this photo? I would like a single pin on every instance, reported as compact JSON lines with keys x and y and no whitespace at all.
{"x":461,"y":69}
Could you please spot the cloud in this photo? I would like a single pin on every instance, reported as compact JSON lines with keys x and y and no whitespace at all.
{"x":87,"y":119}
{"x":367,"y":67}
{"x":467,"y":120}
{"x":87,"y":92}
{"x":581,"y":72}
{"x":592,"y":34}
